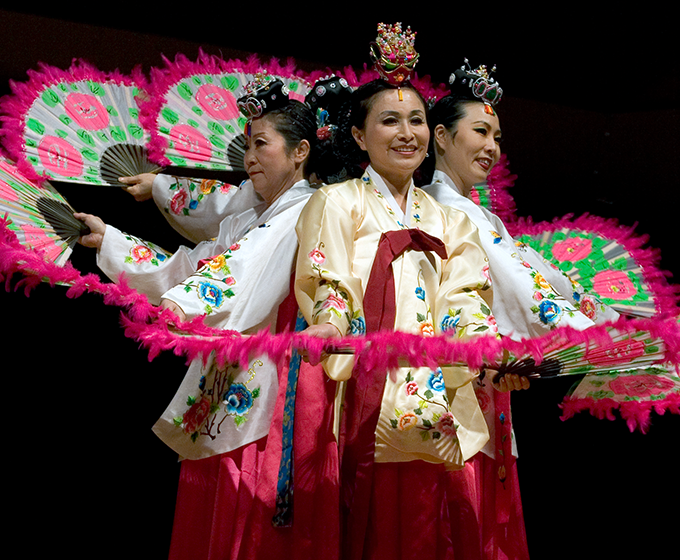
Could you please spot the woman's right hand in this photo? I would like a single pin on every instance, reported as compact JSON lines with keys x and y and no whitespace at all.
{"x":139,"y":186}
{"x":325,"y":330}
{"x":97,"y":228}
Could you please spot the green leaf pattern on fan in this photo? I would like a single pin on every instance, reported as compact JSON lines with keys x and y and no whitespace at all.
{"x":201,"y":123}
{"x":598,"y":266}
{"x":69,"y":127}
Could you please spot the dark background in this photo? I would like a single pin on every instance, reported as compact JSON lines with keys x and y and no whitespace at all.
{"x":590,"y":121}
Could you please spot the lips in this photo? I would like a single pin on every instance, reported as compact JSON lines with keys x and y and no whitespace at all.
{"x":485,"y":163}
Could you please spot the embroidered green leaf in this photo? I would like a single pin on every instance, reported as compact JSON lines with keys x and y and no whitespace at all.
{"x":256,"y":392}
{"x":394,"y":422}
{"x":191,"y":400}
{"x":420,"y":317}
{"x":177,"y":421}
{"x":240,"y":420}
{"x":424,"y":435}
{"x":429,"y":394}
{"x":417,"y":411}
{"x":427,"y":423}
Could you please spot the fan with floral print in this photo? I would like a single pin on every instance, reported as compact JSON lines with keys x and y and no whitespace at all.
{"x":602,"y":260}
{"x":192,"y":112}
{"x":38,"y":215}
{"x":78,"y":125}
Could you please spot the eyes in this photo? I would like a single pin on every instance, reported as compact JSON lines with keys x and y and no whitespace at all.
{"x":395,"y":120}
{"x":484,"y":131}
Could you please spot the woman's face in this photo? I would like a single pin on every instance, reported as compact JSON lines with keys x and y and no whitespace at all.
{"x":468,"y":154}
{"x":271,"y":166}
{"x":395,"y":135}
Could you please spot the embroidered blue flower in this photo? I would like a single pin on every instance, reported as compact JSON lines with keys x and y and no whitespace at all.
{"x":193,"y":204}
{"x":450,"y":323}
{"x":576,"y":296}
{"x":420,"y":293}
{"x":436,"y":381}
{"x":238,"y":399}
{"x":161,"y":257}
{"x":358,"y":326}
{"x":549,"y":312}
{"x":211,"y":294}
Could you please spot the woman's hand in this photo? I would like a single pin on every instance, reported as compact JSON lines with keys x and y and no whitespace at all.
{"x":139,"y":186}
{"x":97,"y":228}
{"x":511,"y":382}
{"x":325,"y":330}
{"x":174,"y":308}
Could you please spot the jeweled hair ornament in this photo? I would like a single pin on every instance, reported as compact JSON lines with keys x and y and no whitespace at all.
{"x":394,"y":54}
{"x":262,"y":94}
{"x":325,"y":99}
{"x":477,"y":83}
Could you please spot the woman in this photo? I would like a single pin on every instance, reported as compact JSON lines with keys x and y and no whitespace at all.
{"x":393,"y":463}
{"x":226,"y":422}
{"x":530,"y":298}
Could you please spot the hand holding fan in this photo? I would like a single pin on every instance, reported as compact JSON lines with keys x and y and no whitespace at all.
{"x":39,"y":216}
{"x":79,"y":125}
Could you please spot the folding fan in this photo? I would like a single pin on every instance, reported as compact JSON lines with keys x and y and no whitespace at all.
{"x":602,"y":265}
{"x":39,"y":216}
{"x":563,"y":356}
{"x":78,"y":125}
{"x":192,"y":112}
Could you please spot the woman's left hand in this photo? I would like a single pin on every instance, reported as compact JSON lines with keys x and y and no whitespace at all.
{"x":512,"y":382}
{"x":174,"y":308}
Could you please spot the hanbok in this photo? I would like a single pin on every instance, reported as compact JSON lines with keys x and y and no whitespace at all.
{"x":400,"y":440}
{"x":227,"y":423}
{"x":531,"y":296}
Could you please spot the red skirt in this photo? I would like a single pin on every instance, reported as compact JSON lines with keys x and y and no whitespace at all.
{"x":226,"y":503}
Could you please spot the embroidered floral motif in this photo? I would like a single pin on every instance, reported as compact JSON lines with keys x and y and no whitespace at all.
{"x":218,"y":398}
{"x":190,"y":193}
{"x":337,"y":301}
{"x":496,"y":237}
{"x":213,"y":282}
{"x":425,"y":325}
{"x":144,"y":252}
{"x":434,"y":425}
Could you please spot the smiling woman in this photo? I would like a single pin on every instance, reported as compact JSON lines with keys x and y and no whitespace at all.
{"x":376,"y":253}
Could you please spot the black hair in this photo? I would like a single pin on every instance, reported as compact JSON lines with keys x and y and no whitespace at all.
{"x":354,"y":115}
{"x":447,"y":111}
{"x":296,"y":122}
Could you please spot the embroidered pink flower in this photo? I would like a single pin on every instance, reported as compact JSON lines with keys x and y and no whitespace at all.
{"x":196,"y":415}
{"x":614,"y":284}
{"x":317,"y":256}
{"x":411,"y":388}
{"x":230,"y":281}
{"x":538,"y":296}
{"x":335,"y":302}
{"x":447,"y":424}
{"x":483,"y":399}
{"x":486,"y":274}
{"x":235,"y":247}
{"x":407,"y":421}
{"x":572,"y":249}
{"x":141,"y":253}
{"x":178,"y":202}
{"x":226,"y":187}
{"x":641,"y":385}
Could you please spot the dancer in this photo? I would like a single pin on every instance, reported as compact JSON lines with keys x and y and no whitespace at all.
{"x":530,"y":298}
{"x":227,"y":423}
{"x":402,"y":430}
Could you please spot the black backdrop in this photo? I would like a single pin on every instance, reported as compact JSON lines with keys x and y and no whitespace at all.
{"x":590,"y":119}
